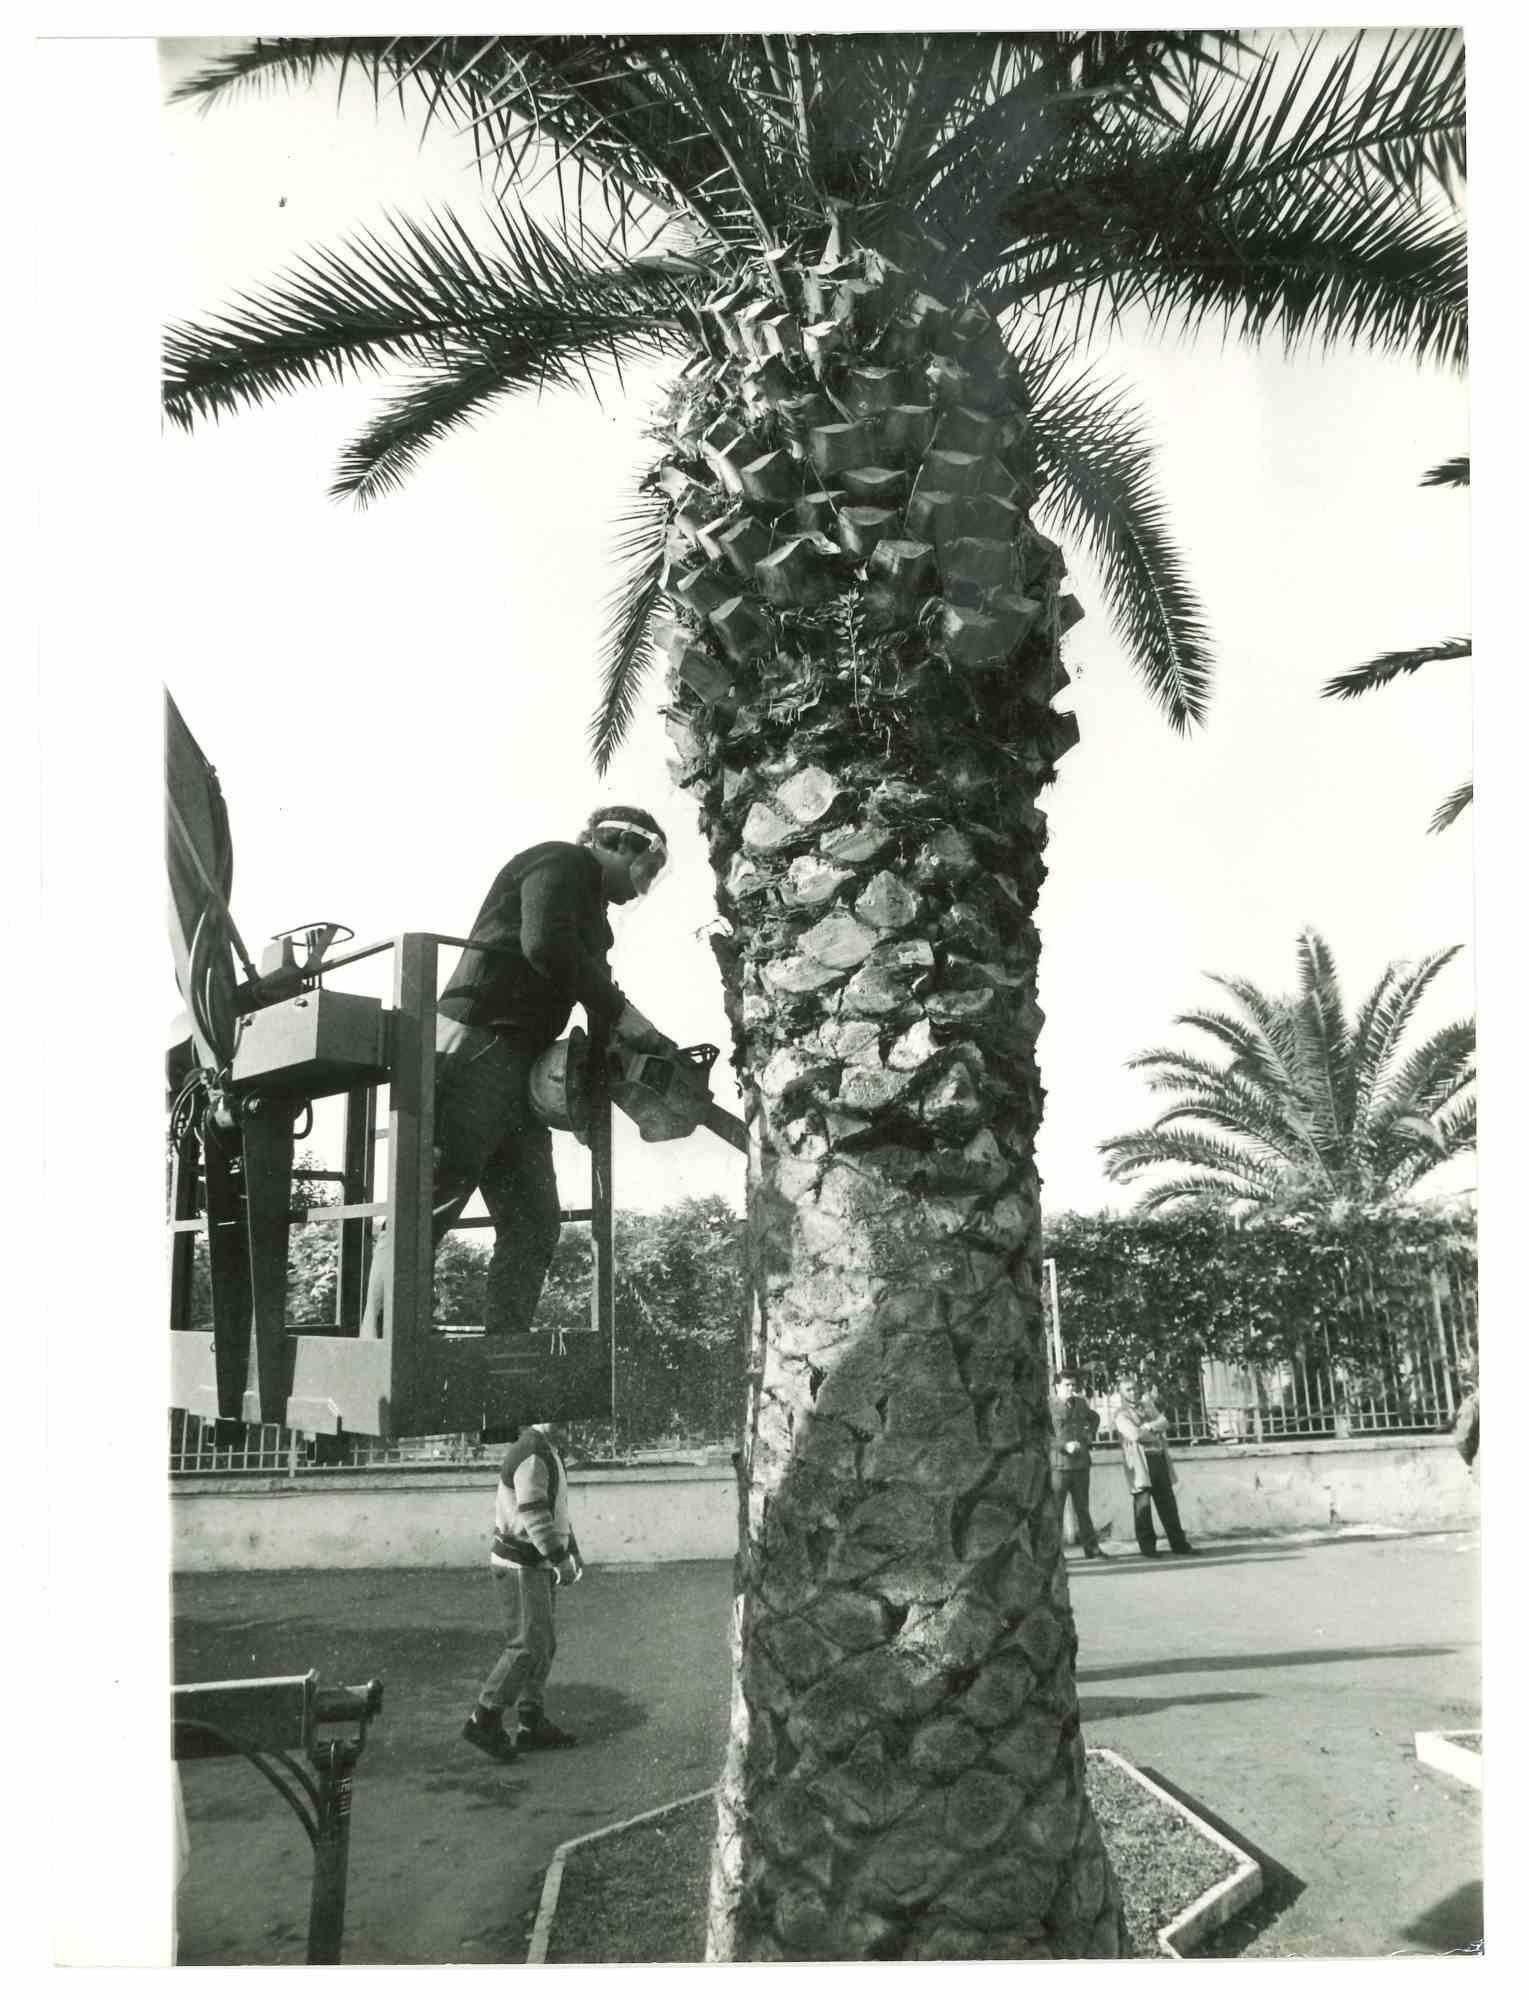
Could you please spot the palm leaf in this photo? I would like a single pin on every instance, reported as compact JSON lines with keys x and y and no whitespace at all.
{"x":1384,"y":1019}
{"x":1435,"y":1072}
{"x":534,"y":307}
{"x":1306,"y":1109}
{"x":1298,"y":208}
{"x":1387,"y":667}
{"x":1269,"y":1048}
{"x":1452,"y":807}
{"x":1191,"y":1192}
{"x":627,"y":642}
{"x":1228,"y":1096}
{"x":1322,"y":1039}
{"x":1453,"y":472}
{"x":530,"y":104}
{"x":1099,"y":462}
{"x":1232,"y":1107}
{"x":1242,"y":1174}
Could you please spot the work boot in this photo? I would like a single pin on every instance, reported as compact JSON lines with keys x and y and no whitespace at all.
{"x":537,"y":1733}
{"x":1097,"y":1555}
{"x":489,"y":1737}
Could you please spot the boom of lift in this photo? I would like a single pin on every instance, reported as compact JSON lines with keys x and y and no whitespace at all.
{"x":264,"y":1043}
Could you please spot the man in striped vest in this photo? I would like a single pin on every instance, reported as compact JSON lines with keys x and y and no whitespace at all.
{"x":534,"y":1550}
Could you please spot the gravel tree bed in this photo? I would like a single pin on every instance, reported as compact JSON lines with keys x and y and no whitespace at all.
{"x":639,"y":1897}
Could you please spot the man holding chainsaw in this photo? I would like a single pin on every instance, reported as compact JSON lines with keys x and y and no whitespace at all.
{"x":539,"y":946}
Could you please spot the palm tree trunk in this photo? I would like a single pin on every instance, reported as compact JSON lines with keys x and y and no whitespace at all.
{"x":867,"y":647}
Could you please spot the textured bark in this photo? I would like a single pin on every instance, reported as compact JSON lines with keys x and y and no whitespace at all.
{"x":905,"y":1772}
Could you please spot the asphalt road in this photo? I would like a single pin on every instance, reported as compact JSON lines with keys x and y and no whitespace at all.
{"x":1274,"y":1685}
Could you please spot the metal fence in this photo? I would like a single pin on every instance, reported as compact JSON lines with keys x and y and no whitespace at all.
{"x":1428,"y":1341}
{"x":195,"y":1446}
{"x":279,"y":1453}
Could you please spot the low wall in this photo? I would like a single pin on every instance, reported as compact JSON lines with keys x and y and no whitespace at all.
{"x":439,"y":1520}
{"x":1407,"y":1483}
{"x":644,"y":1514}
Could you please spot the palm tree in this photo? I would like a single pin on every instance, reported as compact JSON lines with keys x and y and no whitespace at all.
{"x":1306,"y":1112}
{"x":1387,"y":667}
{"x":876,"y":260}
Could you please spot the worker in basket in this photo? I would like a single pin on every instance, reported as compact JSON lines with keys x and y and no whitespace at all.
{"x":546,"y":942}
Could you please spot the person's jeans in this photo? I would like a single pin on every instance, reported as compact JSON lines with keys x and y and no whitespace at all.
{"x":488,"y":1138}
{"x":1072,"y":1481}
{"x":518,"y":1678}
{"x":1161,"y":1495}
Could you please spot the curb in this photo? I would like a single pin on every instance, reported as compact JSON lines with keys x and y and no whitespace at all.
{"x":1205,"y":1914}
{"x":1223,"y":1899}
{"x":552,"y":1883}
{"x":1434,"y":1748}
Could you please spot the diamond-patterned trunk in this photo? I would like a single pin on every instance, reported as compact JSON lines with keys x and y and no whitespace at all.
{"x":865,"y":648}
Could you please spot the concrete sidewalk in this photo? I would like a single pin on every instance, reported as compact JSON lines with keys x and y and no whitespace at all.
{"x":1275,"y":1684}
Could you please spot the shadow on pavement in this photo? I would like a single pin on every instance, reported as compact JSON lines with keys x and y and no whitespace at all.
{"x":1247,"y":1662}
{"x":1281,"y":1887}
{"x":1453,"y":1925}
{"x":1108,"y":1707}
{"x":1133,"y":1560}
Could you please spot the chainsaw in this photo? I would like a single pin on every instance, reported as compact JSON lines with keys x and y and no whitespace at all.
{"x":666,"y":1097}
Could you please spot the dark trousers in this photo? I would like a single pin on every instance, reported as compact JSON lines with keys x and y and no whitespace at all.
{"x":488,"y":1138}
{"x":1072,"y":1481}
{"x":1161,"y":1494}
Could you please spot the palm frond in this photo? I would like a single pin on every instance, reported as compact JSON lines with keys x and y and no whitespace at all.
{"x":287,"y":62}
{"x":1093,"y":447}
{"x":1387,"y":1013}
{"x":592,"y":105}
{"x":1236,"y":1096}
{"x":1297,"y":209}
{"x":534,"y":307}
{"x":1217,"y":1165}
{"x":379,"y":458}
{"x":1453,"y":472}
{"x":1322,"y":1043}
{"x":1443,"y":1066}
{"x":1387,"y":667}
{"x":626,"y":645}
{"x":1198,"y":1192}
{"x":1234,"y":1107}
{"x":1307,"y":1109}
{"x":1452,"y":807}
{"x":1268,"y":1049}
{"x":1456,"y":1127}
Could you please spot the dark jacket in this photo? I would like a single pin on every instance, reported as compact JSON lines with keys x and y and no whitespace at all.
{"x":546,"y":913}
{"x":1072,"y":1422}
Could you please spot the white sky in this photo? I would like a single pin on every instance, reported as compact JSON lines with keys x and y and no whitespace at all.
{"x":401,"y":697}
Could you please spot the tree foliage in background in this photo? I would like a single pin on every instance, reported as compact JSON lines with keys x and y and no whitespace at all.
{"x":1157,"y":1293}
{"x":1304,"y":1111}
{"x":1387,"y":667}
{"x":679,"y":1295}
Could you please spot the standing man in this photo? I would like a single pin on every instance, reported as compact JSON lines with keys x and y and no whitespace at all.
{"x":1074,"y":1426}
{"x":1468,"y":1423}
{"x":539,"y":946}
{"x":534,"y":1550}
{"x":1143,"y":1433}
